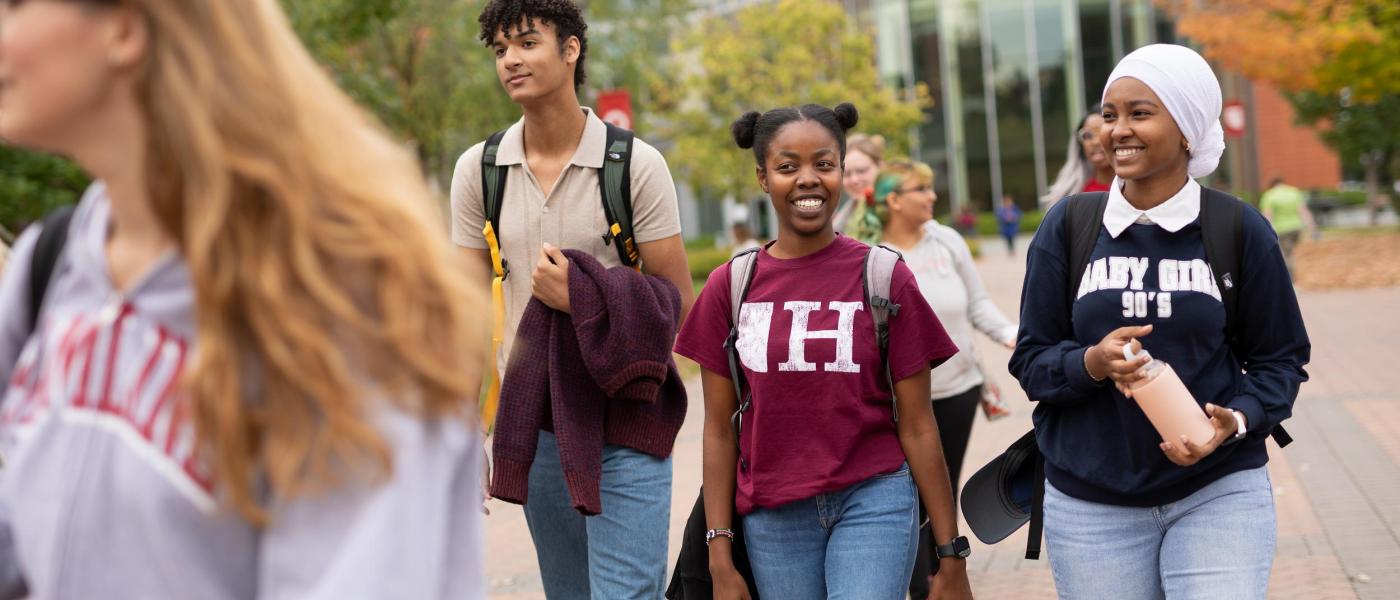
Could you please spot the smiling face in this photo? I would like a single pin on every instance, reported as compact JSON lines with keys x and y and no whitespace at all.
{"x":1139,"y":134}
{"x":61,"y":65}
{"x":1093,"y":149}
{"x":530,"y":62}
{"x":860,"y":174}
{"x":802,"y":175}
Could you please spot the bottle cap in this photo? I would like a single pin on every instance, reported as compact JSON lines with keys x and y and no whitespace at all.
{"x":1129,"y":355}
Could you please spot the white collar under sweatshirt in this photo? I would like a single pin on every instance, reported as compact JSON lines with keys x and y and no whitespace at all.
{"x":1177,"y":212}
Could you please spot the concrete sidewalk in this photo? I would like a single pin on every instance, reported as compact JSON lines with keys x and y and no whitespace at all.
{"x":1337,"y":488}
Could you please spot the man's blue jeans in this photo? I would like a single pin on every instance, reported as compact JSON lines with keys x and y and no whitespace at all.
{"x":617,"y":555}
{"x":1216,"y":543}
{"x":858,"y":542}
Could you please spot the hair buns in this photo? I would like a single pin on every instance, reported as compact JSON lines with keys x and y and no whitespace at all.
{"x":846,"y":115}
{"x":743,"y":129}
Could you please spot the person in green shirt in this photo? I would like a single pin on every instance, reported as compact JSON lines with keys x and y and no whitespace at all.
{"x":1286,"y":208}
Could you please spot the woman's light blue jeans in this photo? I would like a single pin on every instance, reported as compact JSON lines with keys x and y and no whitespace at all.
{"x":858,"y":542}
{"x":1216,"y":543}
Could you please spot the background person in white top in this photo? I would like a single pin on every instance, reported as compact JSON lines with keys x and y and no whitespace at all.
{"x":942,"y":264}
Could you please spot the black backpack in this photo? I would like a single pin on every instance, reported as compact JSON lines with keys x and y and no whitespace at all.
{"x":53,"y":236}
{"x":614,"y":183}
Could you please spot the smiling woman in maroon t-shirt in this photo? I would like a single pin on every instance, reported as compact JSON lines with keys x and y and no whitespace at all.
{"x":827,"y":482}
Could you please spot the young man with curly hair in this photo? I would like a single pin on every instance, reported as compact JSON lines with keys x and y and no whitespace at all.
{"x":552,"y":160}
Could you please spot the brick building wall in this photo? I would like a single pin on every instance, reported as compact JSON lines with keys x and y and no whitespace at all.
{"x":1288,"y":150}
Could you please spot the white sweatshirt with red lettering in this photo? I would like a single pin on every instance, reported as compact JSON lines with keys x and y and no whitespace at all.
{"x":102,"y":492}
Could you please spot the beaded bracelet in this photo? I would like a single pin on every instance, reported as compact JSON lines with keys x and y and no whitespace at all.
{"x":714,"y":533}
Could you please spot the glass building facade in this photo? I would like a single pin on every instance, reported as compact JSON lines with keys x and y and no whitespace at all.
{"x":1009,"y":79}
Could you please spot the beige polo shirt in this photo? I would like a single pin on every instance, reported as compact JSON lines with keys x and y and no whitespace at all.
{"x":570,"y":218}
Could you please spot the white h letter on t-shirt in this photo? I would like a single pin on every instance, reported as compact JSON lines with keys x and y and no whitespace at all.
{"x":843,"y":334}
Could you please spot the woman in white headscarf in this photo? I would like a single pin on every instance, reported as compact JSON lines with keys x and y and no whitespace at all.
{"x":1127,"y":513}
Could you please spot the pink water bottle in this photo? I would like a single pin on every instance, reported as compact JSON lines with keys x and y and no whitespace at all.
{"x":1168,"y":404}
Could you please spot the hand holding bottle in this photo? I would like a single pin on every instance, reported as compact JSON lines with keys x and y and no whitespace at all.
{"x":1106,"y":358}
{"x":1188,"y":453}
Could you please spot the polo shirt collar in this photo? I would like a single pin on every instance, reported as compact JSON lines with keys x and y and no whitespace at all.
{"x":1177,"y":212}
{"x":590,"y":148}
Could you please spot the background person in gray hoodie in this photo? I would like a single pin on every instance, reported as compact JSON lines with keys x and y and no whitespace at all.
{"x":248,"y":374}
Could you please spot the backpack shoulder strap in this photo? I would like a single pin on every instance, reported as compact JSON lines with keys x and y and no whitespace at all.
{"x":615,"y":183}
{"x":493,"y":191}
{"x":876,"y":280}
{"x":53,"y":236}
{"x":1222,"y":232}
{"x":1083,"y":219}
{"x":741,"y":271}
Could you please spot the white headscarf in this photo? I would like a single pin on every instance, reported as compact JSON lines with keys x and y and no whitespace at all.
{"x":1188,"y":87}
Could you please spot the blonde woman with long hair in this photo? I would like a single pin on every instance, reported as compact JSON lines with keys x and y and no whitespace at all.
{"x":251,"y":371}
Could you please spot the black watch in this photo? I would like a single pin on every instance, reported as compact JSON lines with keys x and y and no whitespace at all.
{"x":958,"y":548}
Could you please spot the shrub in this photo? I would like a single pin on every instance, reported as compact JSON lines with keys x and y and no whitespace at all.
{"x":705,"y":260}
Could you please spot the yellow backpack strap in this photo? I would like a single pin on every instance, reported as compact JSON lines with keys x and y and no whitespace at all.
{"x":493,"y":185}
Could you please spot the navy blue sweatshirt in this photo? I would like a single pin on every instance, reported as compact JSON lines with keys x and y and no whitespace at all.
{"x":1098,"y":445}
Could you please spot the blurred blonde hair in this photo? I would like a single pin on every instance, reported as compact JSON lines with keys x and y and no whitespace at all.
{"x":869,"y":145}
{"x":321,"y":270}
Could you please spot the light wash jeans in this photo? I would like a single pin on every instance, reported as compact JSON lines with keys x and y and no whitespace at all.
{"x":617,"y":555}
{"x":854,"y":543}
{"x":1216,"y":543}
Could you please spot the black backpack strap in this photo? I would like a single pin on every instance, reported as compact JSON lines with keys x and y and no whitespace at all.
{"x":741,"y":271}
{"x":1037,"y":526}
{"x":53,"y":236}
{"x":1083,"y":219}
{"x":1222,"y":232}
{"x":493,"y":188}
{"x":615,"y":183}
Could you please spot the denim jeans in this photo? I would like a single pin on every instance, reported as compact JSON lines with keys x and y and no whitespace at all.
{"x":617,"y":555}
{"x":858,"y":542}
{"x":1216,"y":543}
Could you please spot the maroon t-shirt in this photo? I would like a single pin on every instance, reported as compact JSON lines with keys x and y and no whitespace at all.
{"x":821,"y":414}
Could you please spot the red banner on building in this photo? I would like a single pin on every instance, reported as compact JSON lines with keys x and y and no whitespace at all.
{"x":615,"y":106}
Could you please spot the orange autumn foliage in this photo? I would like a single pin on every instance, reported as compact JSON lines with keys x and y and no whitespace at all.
{"x":1299,"y":45}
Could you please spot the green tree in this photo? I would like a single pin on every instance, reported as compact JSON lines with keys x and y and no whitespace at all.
{"x":628,"y":40}
{"x":766,"y":56}
{"x":1365,"y":135}
{"x":416,"y":64}
{"x":419,"y":65}
{"x":31,"y":184}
